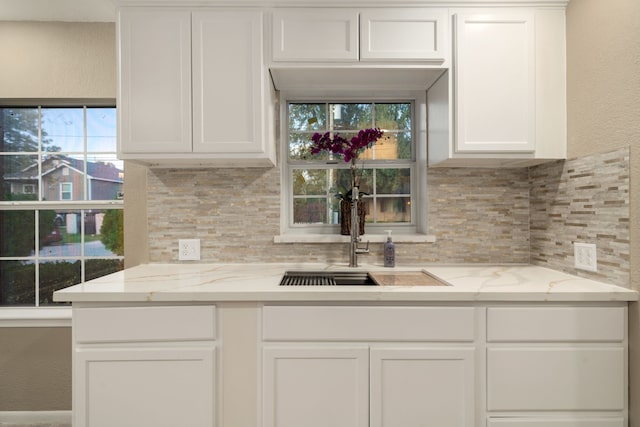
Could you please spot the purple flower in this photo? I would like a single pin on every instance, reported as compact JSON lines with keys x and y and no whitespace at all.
{"x":348,"y":149}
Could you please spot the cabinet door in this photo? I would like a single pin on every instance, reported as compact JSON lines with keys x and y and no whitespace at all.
{"x":494,"y":67}
{"x":316,"y":387}
{"x":145,"y":387}
{"x":416,"y":387}
{"x":227,"y":82}
{"x":327,"y":35}
{"x":154,"y":87}
{"x":404,"y":34}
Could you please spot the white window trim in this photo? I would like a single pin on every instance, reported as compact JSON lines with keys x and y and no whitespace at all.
{"x":417,"y":234}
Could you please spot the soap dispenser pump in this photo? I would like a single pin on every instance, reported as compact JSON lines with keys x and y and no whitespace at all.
{"x":389,"y":251}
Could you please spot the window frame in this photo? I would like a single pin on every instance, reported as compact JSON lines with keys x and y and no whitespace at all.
{"x":56,"y":315}
{"x":418,"y":164}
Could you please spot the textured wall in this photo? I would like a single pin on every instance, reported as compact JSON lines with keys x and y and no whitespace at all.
{"x":236,"y":214}
{"x":35,"y":369}
{"x":57,"y":60}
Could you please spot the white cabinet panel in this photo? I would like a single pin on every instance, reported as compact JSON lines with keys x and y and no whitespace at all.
{"x":494,"y":63}
{"x":553,"y":324}
{"x":316,"y":387}
{"x":349,"y":323}
{"x":227,"y":81}
{"x":154,"y":97}
{"x":414,"y":387}
{"x":151,"y":387}
{"x":123,"y":324}
{"x":556,"y":422}
{"x":327,"y":35}
{"x":556,"y":378}
{"x":404,"y":34}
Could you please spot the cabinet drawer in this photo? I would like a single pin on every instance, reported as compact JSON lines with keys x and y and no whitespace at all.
{"x":111,"y":324}
{"x":556,"y":324}
{"x":349,"y":323}
{"x":556,"y":379}
{"x":555,"y":422}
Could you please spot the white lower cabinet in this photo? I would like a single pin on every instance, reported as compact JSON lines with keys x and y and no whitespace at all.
{"x":133,"y":387}
{"x":422,"y":386}
{"x":316,"y":386}
{"x":144,"y":366}
{"x":355,"y":366}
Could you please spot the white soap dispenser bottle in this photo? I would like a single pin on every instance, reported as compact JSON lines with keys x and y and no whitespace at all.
{"x":389,"y":251}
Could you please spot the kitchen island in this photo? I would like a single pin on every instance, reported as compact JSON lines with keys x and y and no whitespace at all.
{"x":225,"y":345}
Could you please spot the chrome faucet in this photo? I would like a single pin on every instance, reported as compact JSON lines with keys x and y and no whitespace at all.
{"x":354,"y":249}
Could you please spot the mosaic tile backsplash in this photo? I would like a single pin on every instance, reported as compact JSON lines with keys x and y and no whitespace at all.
{"x":582,"y":200}
{"x":477,"y":215}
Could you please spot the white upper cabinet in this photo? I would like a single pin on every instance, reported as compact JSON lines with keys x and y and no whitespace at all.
{"x":154,"y":93}
{"x":503,"y":102}
{"x":193,"y":88}
{"x":494,"y":68}
{"x":315,"y":35}
{"x":404,"y":34}
{"x":349,"y":35}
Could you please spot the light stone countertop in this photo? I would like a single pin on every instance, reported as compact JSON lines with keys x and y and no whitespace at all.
{"x":260,"y":282}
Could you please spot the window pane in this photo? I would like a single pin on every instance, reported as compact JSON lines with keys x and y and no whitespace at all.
{"x":18,"y":129}
{"x":17,"y":234}
{"x":105,"y":176}
{"x":393,"y":209}
{"x":309,"y":182}
{"x":393,"y":116}
{"x":62,"y":178}
{"x":351,"y":116}
{"x":300,"y":147}
{"x":101,"y":129}
{"x":310,"y":211}
{"x":95,"y":268}
{"x":17,"y":286}
{"x":63,"y":129}
{"x":19,"y":176}
{"x":55,"y":275}
{"x":342,"y":183}
{"x":309,"y":117}
{"x":103,"y":233}
{"x":59,"y":233}
{"x":393,"y":181}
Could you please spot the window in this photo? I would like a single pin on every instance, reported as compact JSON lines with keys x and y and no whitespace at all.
{"x":66,"y":189}
{"x":60,"y":205}
{"x":392,"y":172}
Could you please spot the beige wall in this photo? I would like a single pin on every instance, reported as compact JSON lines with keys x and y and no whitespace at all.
{"x":57,"y":60}
{"x":47,"y":60}
{"x":603,"y":91}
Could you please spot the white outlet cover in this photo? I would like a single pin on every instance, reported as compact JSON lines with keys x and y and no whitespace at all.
{"x":189,"y":249}
{"x":585,"y":256}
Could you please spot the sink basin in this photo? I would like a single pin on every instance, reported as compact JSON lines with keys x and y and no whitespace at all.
{"x":327,"y":278}
{"x":360,"y":278}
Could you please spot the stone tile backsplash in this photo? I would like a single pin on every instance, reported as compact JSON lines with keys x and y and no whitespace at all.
{"x":477,"y":215}
{"x":582,"y":200}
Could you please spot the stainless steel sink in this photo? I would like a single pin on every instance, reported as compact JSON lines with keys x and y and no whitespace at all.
{"x":360,"y":278}
{"x":327,"y":278}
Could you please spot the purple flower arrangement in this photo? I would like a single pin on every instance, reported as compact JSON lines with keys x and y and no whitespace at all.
{"x":349,"y":149}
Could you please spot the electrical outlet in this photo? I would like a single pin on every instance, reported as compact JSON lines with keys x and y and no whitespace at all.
{"x":585,"y":257}
{"x":189,"y":249}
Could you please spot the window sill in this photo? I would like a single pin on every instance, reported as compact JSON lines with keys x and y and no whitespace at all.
{"x":336,"y":238}
{"x":35,"y":317}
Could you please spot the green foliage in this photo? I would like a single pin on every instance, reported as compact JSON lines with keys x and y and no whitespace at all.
{"x":112,"y":231}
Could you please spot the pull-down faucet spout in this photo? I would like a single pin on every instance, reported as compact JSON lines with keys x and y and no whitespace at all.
{"x":354,"y":250}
